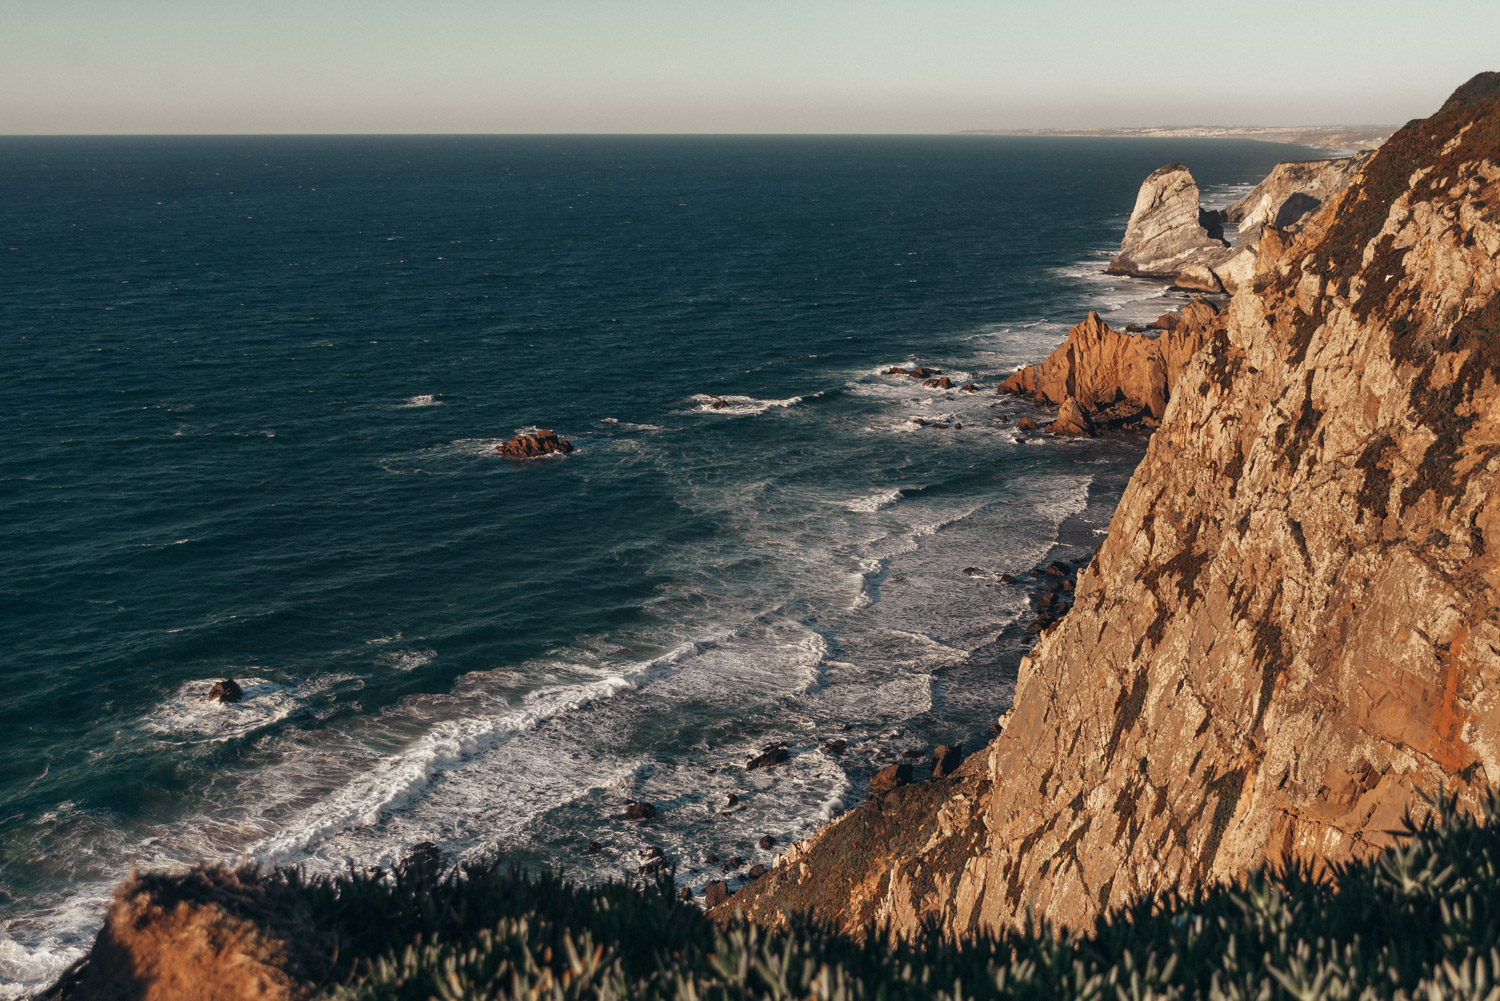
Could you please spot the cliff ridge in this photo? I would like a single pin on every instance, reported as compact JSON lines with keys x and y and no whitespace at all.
{"x":1292,"y":632}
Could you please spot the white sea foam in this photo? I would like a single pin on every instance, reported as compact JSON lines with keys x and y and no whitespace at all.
{"x":407,"y":660}
{"x":737,"y":406}
{"x":188,"y":715}
{"x":877,"y":501}
{"x":424,"y":400}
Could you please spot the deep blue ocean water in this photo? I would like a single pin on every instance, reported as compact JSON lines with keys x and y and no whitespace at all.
{"x":251,"y":393}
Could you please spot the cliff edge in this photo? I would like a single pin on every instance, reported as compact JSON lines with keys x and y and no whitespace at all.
{"x":1292,"y":630}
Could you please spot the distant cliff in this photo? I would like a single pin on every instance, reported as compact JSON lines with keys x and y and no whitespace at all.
{"x":1170,"y":235}
{"x":1293,"y":628}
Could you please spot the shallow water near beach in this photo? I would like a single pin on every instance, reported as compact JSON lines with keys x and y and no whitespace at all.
{"x":253,"y":391}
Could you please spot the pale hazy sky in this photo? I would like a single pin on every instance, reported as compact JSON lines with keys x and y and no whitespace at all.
{"x":174,"y":66}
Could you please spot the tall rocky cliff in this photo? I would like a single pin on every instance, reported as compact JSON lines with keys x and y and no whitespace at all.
{"x":1292,"y":630}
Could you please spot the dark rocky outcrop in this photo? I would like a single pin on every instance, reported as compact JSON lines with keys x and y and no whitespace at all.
{"x":637,"y":810}
{"x":770,"y":756}
{"x":227,"y":690}
{"x":534,"y":446}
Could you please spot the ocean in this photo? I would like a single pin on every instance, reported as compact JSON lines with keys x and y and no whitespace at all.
{"x":252,"y":392}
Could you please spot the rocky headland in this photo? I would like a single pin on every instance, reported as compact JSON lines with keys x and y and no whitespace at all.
{"x":1292,"y":632}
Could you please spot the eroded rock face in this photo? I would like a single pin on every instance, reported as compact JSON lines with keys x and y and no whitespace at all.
{"x":1097,"y":366}
{"x":1291,"y":192}
{"x":1072,"y":421}
{"x":1168,"y":229}
{"x":1293,"y":628}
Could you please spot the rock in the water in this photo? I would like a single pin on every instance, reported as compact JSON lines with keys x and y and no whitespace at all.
{"x":227,"y":690}
{"x":773,"y":755}
{"x":731,"y":800}
{"x":1099,"y":367}
{"x":975,"y":572}
{"x":593,"y":848}
{"x":946,"y":759}
{"x":766,"y":842}
{"x":890,"y":777}
{"x":756,"y":871}
{"x":1025,"y":424}
{"x":1168,"y":229}
{"x":1072,"y":421}
{"x":637,"y":810}
{"x":715,"y":893}
{"x":835,"y":746}
{"x":968,"y":387}
{"x":942,"y":382}
{"x":422,"y":857}
{"x":533,"y":446}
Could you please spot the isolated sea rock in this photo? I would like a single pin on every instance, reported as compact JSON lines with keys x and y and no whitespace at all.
{"x":227,"y":690}
{"x":638,"y":810}
{"x":770,"y":756}
{"x":1291,"y":633}
{"x":1168,"y":229}
{"x":1098,"y":367}
{"x":533,"y":446}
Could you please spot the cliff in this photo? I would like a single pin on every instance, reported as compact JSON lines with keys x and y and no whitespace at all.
{"x":1098,"y":367}
{"x":1171,"y":236}
{"x":1292,"y":631}
{"x":1292,"y":192}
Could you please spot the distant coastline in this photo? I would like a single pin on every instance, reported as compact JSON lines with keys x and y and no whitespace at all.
{"x":1337,"y":138}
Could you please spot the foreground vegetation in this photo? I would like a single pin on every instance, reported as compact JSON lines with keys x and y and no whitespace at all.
{"x":1420,"y":921}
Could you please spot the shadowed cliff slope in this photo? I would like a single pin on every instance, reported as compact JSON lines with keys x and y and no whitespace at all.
{"x":1293,"y":626}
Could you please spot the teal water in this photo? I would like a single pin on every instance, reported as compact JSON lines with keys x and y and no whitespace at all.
{"x":252,"y":389}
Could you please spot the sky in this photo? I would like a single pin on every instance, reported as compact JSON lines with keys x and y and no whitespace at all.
{"x":726,"y":66}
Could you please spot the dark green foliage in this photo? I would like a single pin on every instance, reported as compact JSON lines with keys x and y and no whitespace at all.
{"x":1422,"y":920}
